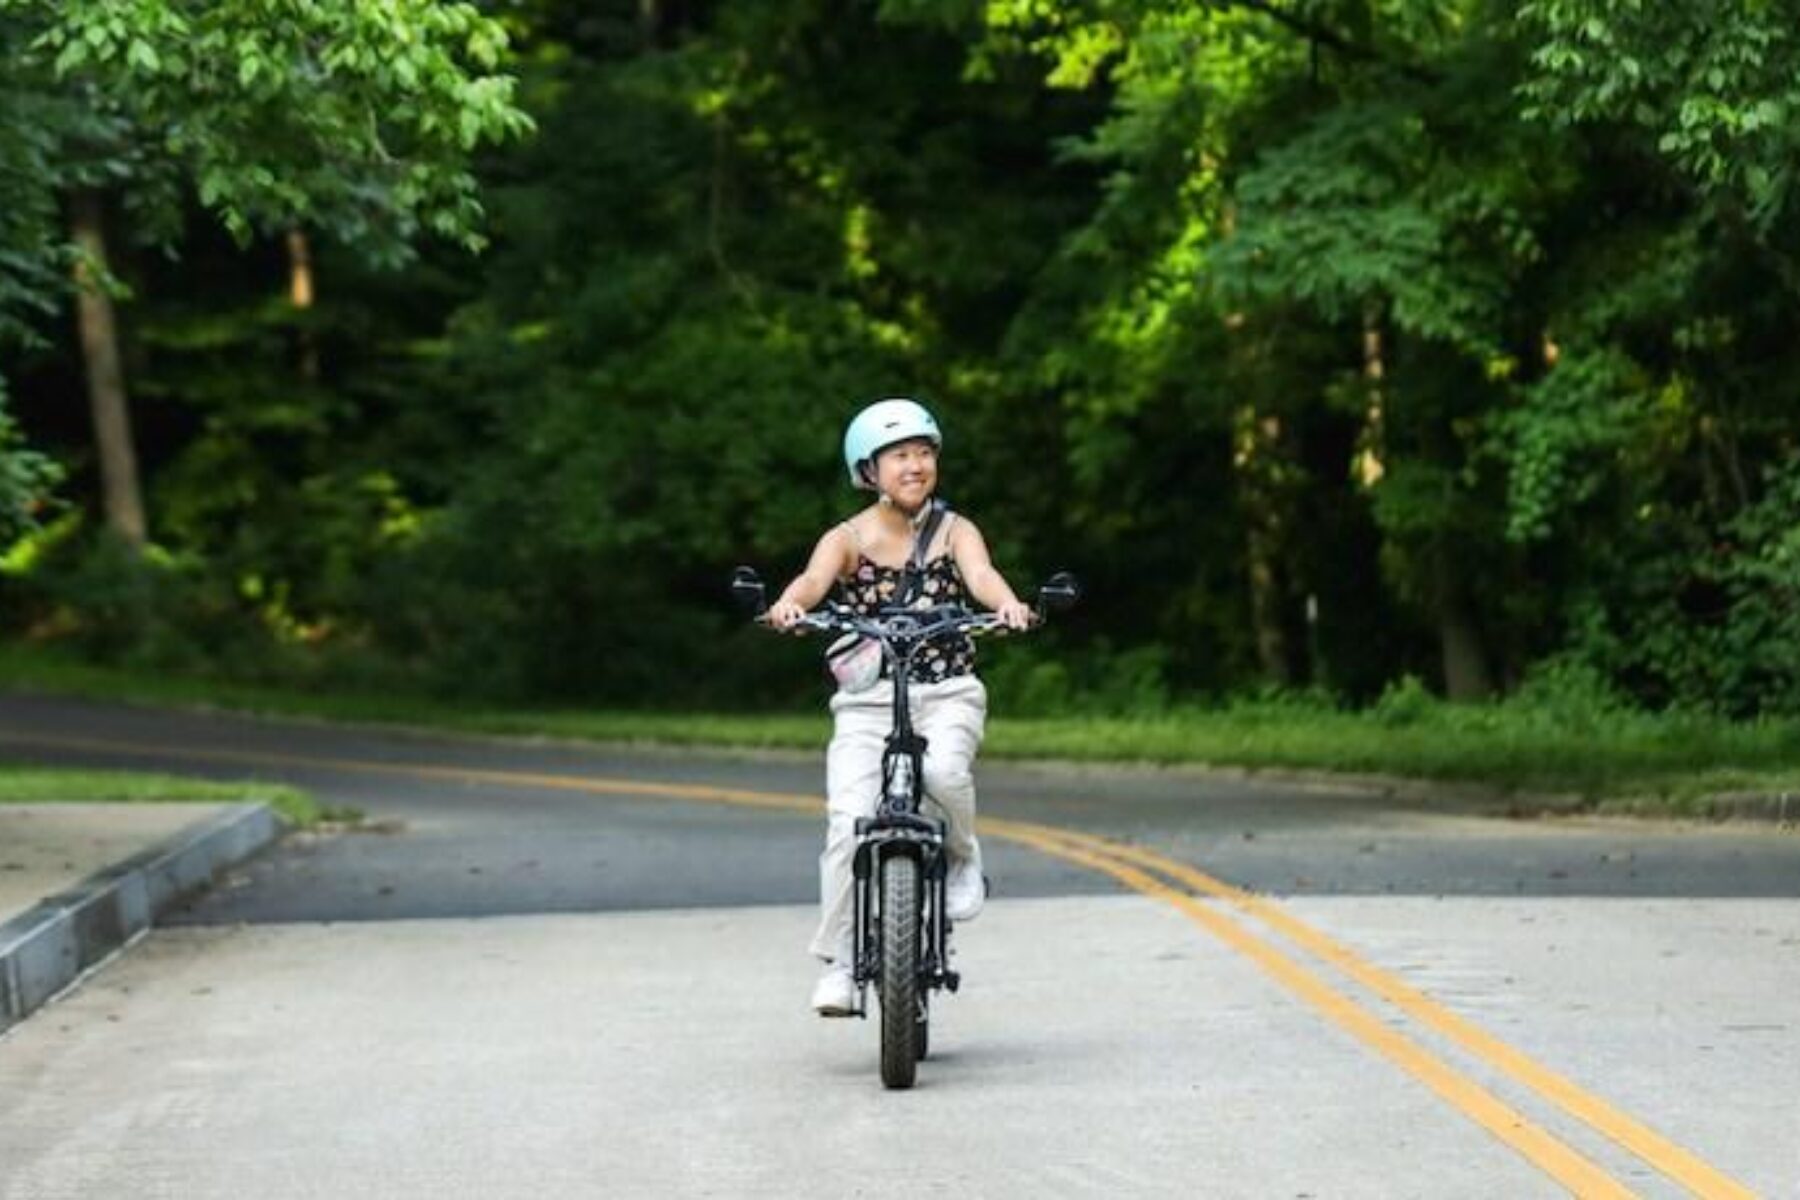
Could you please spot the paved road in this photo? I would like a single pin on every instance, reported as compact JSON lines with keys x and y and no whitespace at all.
{"x":563,"y":971}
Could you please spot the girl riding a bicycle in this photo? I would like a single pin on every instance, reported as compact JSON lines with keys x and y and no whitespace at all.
{"x":874,"y":561}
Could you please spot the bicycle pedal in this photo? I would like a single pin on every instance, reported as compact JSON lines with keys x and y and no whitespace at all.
{"x":952,"y":980}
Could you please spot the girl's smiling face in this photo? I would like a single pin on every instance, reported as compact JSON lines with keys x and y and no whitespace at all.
{"x":906,"y":472}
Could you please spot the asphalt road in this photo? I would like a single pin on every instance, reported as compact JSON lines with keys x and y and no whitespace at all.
{"x":567,"y":971}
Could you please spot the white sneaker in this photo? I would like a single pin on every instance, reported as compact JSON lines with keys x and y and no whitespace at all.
{"x":835,"y":993}
{"x":965,"y":890}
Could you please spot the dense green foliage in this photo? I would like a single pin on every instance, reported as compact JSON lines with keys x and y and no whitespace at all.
{"x":1331,"y":343}
{"x":26,"y":478}
{"x":352,"y":116}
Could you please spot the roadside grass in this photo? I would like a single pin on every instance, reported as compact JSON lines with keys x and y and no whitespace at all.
{"x":23,"y":784}
{"x":1569,"y":746}
{"x":1640,"y":763}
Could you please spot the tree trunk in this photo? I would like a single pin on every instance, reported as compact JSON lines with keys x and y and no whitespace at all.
{"x":301,"y":295}
{"x":1367,"y":466}
{"x":1257,"y":439}
{"x":1466,"y":675}
{"x":107,"y":400}
{"x":1265,"y":610}
{"x":1256,"y":454}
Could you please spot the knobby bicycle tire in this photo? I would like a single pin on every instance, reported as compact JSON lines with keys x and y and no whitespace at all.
{"x":899,"y":970}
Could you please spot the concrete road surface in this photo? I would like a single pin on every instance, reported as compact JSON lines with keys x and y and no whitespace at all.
{"x":568,"y":972}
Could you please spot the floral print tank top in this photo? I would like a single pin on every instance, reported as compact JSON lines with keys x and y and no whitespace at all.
{"x":872,"y":586}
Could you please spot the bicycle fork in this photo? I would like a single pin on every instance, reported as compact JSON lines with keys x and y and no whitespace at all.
{"x":921,"y":838}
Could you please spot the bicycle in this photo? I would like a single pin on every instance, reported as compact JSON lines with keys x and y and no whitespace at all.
{"x":900,"y":930}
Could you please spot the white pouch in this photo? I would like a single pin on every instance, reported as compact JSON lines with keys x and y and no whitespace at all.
{"x":855,"y":662}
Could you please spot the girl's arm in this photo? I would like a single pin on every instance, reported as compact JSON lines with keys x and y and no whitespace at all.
{"x":986,"y":584}
{"x":823,"y":569}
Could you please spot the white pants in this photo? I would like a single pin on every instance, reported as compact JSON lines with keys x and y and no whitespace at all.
{"x":951,"y":716}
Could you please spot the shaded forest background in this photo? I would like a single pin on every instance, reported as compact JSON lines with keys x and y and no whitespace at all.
{"x":1332,"y":343}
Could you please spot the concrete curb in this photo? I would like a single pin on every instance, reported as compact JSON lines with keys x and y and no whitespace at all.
{"x":45,"y":948}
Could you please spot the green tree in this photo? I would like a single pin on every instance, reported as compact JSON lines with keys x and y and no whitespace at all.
{"x":26,"y":478}
{"x":1332,"y":342}
{"x":1652,"y":463}
{"x":1712,"y":86}
{"x":353,"y":117}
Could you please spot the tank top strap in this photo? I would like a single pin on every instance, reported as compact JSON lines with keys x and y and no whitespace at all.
{"x":856,"y":545}
{"x":941,"y":542}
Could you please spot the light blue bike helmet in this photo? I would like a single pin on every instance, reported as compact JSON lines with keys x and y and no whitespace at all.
{"x":883,"y":424}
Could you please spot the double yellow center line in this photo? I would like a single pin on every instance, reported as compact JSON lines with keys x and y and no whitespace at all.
{"x":1205,"y":901}
{"x":1133,"y":867}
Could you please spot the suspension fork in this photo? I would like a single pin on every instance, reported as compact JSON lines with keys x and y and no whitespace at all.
{"x":936,"y":943}
{"x":877,"y":839}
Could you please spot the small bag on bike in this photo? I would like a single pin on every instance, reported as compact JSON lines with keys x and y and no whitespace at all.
{"x":855,"y":662}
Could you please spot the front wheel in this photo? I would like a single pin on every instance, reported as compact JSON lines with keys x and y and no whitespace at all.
{"x":902,"y":1044}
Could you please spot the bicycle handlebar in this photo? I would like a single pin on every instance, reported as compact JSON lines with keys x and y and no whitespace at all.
{"x":907,"y":625}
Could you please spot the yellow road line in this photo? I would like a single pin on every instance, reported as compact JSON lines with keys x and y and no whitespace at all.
{"x":1543,"y":1150}
{"x":568,"y":783}
{"x":1114,"y":859}
{"x":1671,"y":1160}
